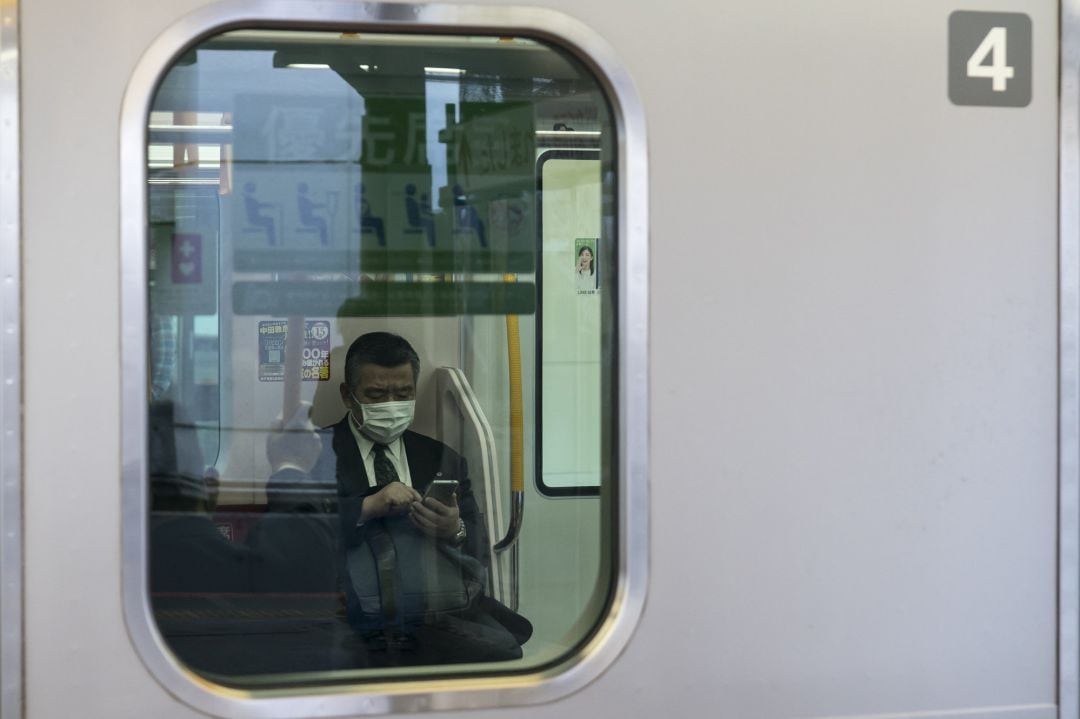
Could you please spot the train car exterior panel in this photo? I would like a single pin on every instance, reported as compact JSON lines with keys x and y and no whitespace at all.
{"x":853,"y":366}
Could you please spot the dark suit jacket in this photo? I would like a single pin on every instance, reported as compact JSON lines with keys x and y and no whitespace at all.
{"x":338,"y":484}
{"x":311,"y":524}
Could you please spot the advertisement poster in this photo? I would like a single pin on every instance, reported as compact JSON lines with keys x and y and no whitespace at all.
{"x":315,"y":355}
{"x":586,"y":269}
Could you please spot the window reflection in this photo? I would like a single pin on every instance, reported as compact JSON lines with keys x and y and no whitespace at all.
{"x":343,"y":231}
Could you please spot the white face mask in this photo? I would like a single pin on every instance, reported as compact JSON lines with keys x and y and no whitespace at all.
{"x":386,"y":421}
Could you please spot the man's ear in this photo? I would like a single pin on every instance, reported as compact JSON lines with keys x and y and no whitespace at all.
{"x":344,"y":390}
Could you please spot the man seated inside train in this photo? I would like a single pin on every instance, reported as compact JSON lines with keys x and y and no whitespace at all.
{"x":413,"y":545}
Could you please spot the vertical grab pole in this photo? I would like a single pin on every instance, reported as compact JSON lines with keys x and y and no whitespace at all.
{"x":517,"y":451}
{"x":517,"y":414}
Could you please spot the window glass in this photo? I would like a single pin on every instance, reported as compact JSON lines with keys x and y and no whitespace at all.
{"x":570,"y":362}
{"x":381,"y":281}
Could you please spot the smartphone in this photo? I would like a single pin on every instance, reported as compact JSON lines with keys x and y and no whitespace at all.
{"x":442,"y":490}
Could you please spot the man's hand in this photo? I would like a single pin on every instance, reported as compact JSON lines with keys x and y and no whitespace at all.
{"x":394,"y":498}
{"x":294,"y":444}
{"x":436,"y":519}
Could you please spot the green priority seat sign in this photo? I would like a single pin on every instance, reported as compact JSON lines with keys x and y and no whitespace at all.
{"x":320,"y":186}
{"x":383,"y":299}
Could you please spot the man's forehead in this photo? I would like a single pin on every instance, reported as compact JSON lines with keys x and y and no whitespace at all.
{"x":376,"y":375}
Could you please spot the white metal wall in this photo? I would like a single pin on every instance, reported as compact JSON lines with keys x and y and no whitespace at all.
{"x":853,"y":365}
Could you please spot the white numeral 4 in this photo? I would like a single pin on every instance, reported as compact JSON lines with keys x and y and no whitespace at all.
{"x":994,"y":46}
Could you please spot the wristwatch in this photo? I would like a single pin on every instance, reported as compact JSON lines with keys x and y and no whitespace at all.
{"x":458,"y":539}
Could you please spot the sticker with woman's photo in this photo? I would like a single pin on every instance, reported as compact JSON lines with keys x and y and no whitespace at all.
{"x":586,"y":270}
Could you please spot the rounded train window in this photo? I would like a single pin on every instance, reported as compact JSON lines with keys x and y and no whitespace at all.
{"x":382,"y":429}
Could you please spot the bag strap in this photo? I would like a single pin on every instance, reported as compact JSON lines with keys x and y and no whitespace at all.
{"x":382,"y":547}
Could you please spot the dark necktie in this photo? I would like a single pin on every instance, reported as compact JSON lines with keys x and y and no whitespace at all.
{"x":384,"y":468}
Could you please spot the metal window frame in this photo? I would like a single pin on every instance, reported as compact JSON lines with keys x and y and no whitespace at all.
{"x":11,"y":548}
{"x":630,"y":561}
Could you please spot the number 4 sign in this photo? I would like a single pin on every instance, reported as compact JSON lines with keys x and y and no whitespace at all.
{"x":993,"y":46}
{"x":990,"y":58}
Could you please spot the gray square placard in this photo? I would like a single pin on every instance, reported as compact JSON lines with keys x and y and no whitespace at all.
{"x":990,"y":58}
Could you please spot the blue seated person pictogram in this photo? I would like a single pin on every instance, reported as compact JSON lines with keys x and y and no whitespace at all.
{"x":368,"y":221}
{"x":418,"y":215}
{"x":256,"y":221}
{"x":309,"y":221}
{"x":466,"y":218}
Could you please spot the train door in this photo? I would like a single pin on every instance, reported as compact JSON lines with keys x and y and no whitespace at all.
{"x":802,"y":374}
